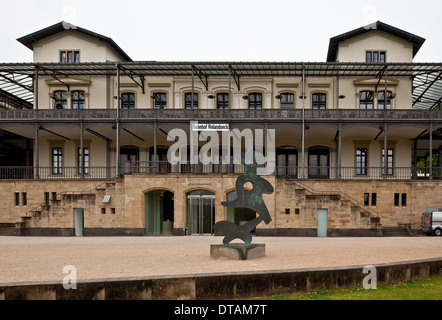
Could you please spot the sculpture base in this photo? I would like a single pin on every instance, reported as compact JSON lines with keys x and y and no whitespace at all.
{"x":237,"y":251}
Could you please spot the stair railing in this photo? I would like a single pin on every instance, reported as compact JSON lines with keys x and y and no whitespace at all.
{"x":340,"y":193}
{"x":44,"y":204}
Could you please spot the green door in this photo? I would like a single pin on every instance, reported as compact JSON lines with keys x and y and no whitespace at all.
{"x":79,"y":222}
{"x":159,"y":212}
{"x":322,"y":222}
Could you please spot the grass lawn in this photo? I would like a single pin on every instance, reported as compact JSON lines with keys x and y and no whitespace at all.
{"x":426,"y":289}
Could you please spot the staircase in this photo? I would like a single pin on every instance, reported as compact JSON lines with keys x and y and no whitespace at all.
{"x":370,"y":216}
{"x":396,"y":232}
{"x":65,"y":198}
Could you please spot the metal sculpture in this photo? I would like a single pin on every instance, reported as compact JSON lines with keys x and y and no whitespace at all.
{"x":251,"y":199}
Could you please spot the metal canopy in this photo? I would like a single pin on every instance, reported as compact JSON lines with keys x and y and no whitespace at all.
{"x":427,"y":77}
{"x":427,"y":90}
{"x":17,"y":85}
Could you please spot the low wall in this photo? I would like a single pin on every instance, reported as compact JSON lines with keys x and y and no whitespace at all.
{"x":222,"y":286}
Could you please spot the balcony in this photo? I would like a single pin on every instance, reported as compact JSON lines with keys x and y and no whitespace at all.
{"x":167,"y":115}
{"x":165,"y":168}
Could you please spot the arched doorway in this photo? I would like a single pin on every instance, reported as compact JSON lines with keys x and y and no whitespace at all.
{"x":200,"y":212}
{"x":159,"y":212}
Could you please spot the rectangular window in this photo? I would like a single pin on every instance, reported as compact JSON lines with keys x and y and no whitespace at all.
{"x":128,"y":100}
{"x":222,"y":101}
{"x":375,"y":57}
{"x":374,"y":199}
{"x":24,"y":198}
{"x":396,"y":199}
{"x":17,"y":198}
{"x":381,"y":100}
{"x":366,"y":100}
{"x":60,"y":100}
{"x":361,"y":161}
{"x":319,"y":101}
{"x":188,"y":101}
{"x":63,"y":57}
{"x":69,"y":56}
{"x":160,"y":100}
{"x":390,"y":154}
{"x":382,"y":57}
{"x":287,"y":101}
{"x":47,"y":198}
{"x":255,"y":101}
{"x":57,"y":160}
{"x":368,"y":57}
{"x":54,"y":196}
{"x":78,"y":100}
{"x":85,"y":163}
{"x":366,"y":199}
{"x":404,"y":199}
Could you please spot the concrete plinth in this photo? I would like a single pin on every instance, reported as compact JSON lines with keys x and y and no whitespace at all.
{"x":237,"y":251}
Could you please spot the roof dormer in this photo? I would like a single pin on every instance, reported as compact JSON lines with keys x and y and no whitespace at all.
{"x":67,"y":43}
{"x":374,"y":43}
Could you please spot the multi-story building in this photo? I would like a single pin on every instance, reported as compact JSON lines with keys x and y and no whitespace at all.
{"x":353,"y":136}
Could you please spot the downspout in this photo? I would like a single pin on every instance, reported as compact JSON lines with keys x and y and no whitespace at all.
{"x":37,"y":130}
{"x":117,"y":146}
{"x":303,"y":123}
{"x":385,"y":129}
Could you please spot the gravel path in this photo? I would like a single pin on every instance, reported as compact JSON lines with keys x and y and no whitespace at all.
{"x":24,"y":259}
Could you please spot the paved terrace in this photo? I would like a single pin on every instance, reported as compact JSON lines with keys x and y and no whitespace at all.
{"x":29,"y":259}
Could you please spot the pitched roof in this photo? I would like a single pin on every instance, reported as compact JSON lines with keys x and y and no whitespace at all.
{"x":378,"y":25}
{"x":30,"y":39}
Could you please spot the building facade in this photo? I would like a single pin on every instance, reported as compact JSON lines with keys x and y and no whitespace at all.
{"x":357,"y":138}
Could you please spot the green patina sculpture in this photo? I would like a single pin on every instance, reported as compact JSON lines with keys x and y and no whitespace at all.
{"x":251,"y":199}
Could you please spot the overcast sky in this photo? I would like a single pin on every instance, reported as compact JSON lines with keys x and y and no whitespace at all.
{"x":220,"y":30}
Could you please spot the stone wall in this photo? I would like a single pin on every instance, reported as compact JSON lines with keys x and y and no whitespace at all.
{"x":292,"y":206}
{"x":220,"y":286}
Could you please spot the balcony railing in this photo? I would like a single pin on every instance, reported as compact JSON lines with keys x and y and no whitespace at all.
{"x":58,"y":173}
{"x":164,"y":167}
{"x":204,"y":114}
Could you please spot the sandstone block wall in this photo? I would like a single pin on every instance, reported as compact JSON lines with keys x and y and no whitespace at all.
{"x":291,"y":206}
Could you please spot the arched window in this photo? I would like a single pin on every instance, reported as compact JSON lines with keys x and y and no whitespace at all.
{"x":287,"y":100}
{"x":366,"y":100}
{"x":222,"y":101}
{"x":159,"y":100}
{"x":128,"y":100}
{"x":255,"y":100}
{"x":188,"y":100}
{"x":78,"y":100}
{"x":60,"y":100}
{"x":319,"y":101}
{"x":381,"y":100}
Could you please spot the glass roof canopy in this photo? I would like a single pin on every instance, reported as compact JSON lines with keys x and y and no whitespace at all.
{"x":17,"y":78}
